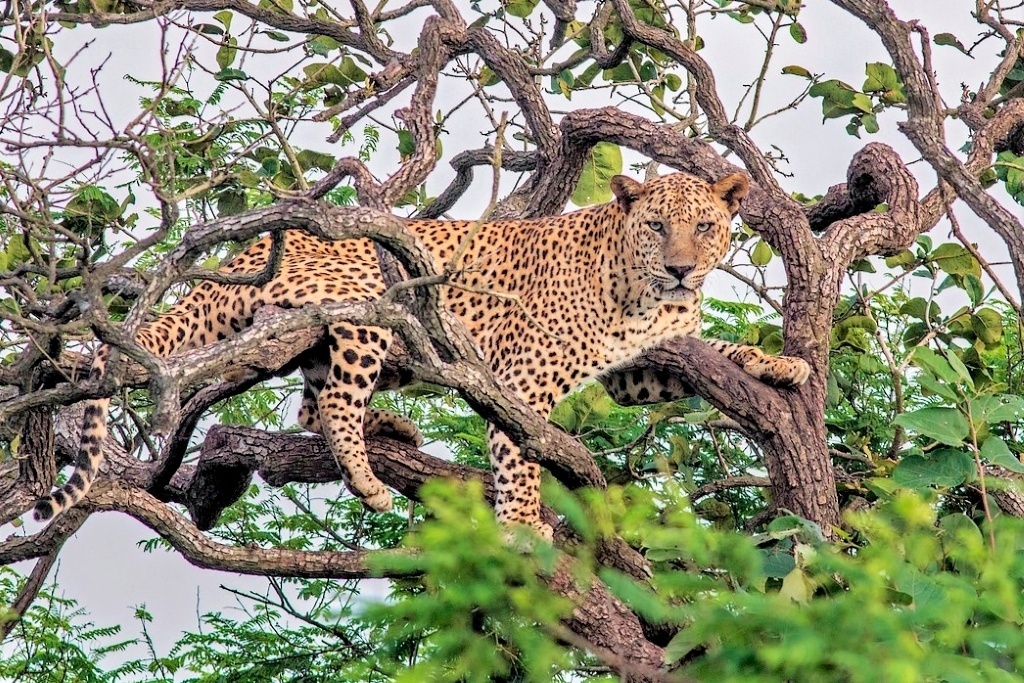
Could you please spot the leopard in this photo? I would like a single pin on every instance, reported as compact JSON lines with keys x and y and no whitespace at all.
{"x":550,"y":302}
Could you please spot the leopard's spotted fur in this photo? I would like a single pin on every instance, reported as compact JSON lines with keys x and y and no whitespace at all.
{"x":584,"y":292}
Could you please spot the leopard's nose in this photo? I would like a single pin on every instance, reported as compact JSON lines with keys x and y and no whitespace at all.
{"x":679,"y":272}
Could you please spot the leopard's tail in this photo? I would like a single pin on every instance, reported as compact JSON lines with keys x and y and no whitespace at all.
{"x":90,"y":450}
{"x":87,"y":463}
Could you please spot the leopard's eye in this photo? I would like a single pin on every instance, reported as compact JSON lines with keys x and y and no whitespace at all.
{"x":704,"y":227}
{"x":656,"y":226}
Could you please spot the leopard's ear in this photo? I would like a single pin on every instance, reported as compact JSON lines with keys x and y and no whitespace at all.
{"x":626,"y":190}
{"x":732,"y":189}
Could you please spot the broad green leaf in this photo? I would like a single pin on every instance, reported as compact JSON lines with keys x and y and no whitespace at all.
{"x":883,"y":79}
{"x":796,"y":70}
{"x":945,"y":425}
{"x":936,"y":387}
{"x":949,"y":39}
{"x":681,"y":645}
{"x":322,"y":45}
{"x":269,"y":167}
{"x":797,"y":586}
{"x":840,"y":99}
{"x":997,"y":408}
{"x":761,"y":255}
{"x":995,"y":451}
{"x":594,"y":187}
{"x":925,"y":593}
{"x":308,"y":159}
{"x":973,"y":287}
{"x":351,"y":72}
{"x":224,"y":17}
{"x":960,"y":368}
{"x":231,"y":202}
{"x":943,"y":468}
{"x":798,"y":32}
{"x":208,"y":29}
{"x":988,"y":325}
{"x":936,"y":364}
{"x":231,"y":75}
{"x":870,"y":122}
{"x":954,"y":259}
{"x":922,"y":309}
{"x":520,"y":8}
{"x":227,"y":53}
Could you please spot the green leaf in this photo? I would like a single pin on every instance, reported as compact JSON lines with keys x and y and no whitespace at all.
{"x":351,"y":72}
{"x":905,"y":259}
{"x":840,"y":99}
{"x":997,"y":408}
{"x":883,"y":79}
{"x":960,"y":368}
{"x":798,"y":32}
{"x":761,"y":255}
{"x":231,"y":202}
{"x":520,"y":8}
{"x":922,"y":309}
{"x":594,"y":187}
{"x":322,"y":45}
{"x":936,"y":364}
{"x":276,"y":36}
{"x":988,"y":325}
{"x":949,"y":39}
{"x":269,"y":167}
{"x":973,"y":287}
{"x":797,"y":586}
{"x":954,"y":259}
{"x":943,"y":468}
{"x":231,"y":75}
{"x":945,"y":425}
{"x":870,"y":122}
{"x":406,"y":145}
{"x":930,"y":384}
{"x":224,"y":18}
{"x":681,"y":645}
{"x":995,"y":451}
{"x":208,"y":29}
{"x":227,"y":53}
{"x":673,"y":82}
{"x":926,"y":593}
{"x":308,"y":159}
{"x":796,"y":70}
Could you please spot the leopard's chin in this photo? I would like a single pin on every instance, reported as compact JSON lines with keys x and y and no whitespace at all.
{"x":678,"y":293}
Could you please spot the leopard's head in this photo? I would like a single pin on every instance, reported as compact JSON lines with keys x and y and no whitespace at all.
{"x":676,"y":230}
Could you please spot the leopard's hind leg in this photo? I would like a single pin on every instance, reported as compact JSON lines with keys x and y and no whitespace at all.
{"x":356,"y":354}
{"x":376,"y":422}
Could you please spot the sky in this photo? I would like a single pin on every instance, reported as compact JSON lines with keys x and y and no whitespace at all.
{"x":102,"y":566}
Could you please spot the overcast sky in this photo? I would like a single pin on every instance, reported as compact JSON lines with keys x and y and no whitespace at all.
{"x":101,"y":566}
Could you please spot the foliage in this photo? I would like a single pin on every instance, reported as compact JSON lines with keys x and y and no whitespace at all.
{"x":923,"y":399}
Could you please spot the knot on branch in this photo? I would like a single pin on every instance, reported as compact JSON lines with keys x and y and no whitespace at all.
{"x":876,"y":176}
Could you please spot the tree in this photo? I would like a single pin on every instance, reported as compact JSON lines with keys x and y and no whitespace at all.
{"x":885,"y":487}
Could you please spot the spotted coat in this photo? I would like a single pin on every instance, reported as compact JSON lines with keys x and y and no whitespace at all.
{"x":551,"y":302}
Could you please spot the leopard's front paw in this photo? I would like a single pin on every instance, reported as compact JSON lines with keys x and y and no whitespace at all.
{"x":783,"y":371}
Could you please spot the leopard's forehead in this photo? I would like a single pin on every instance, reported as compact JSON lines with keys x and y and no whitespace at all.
{"x":681,"y":195}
